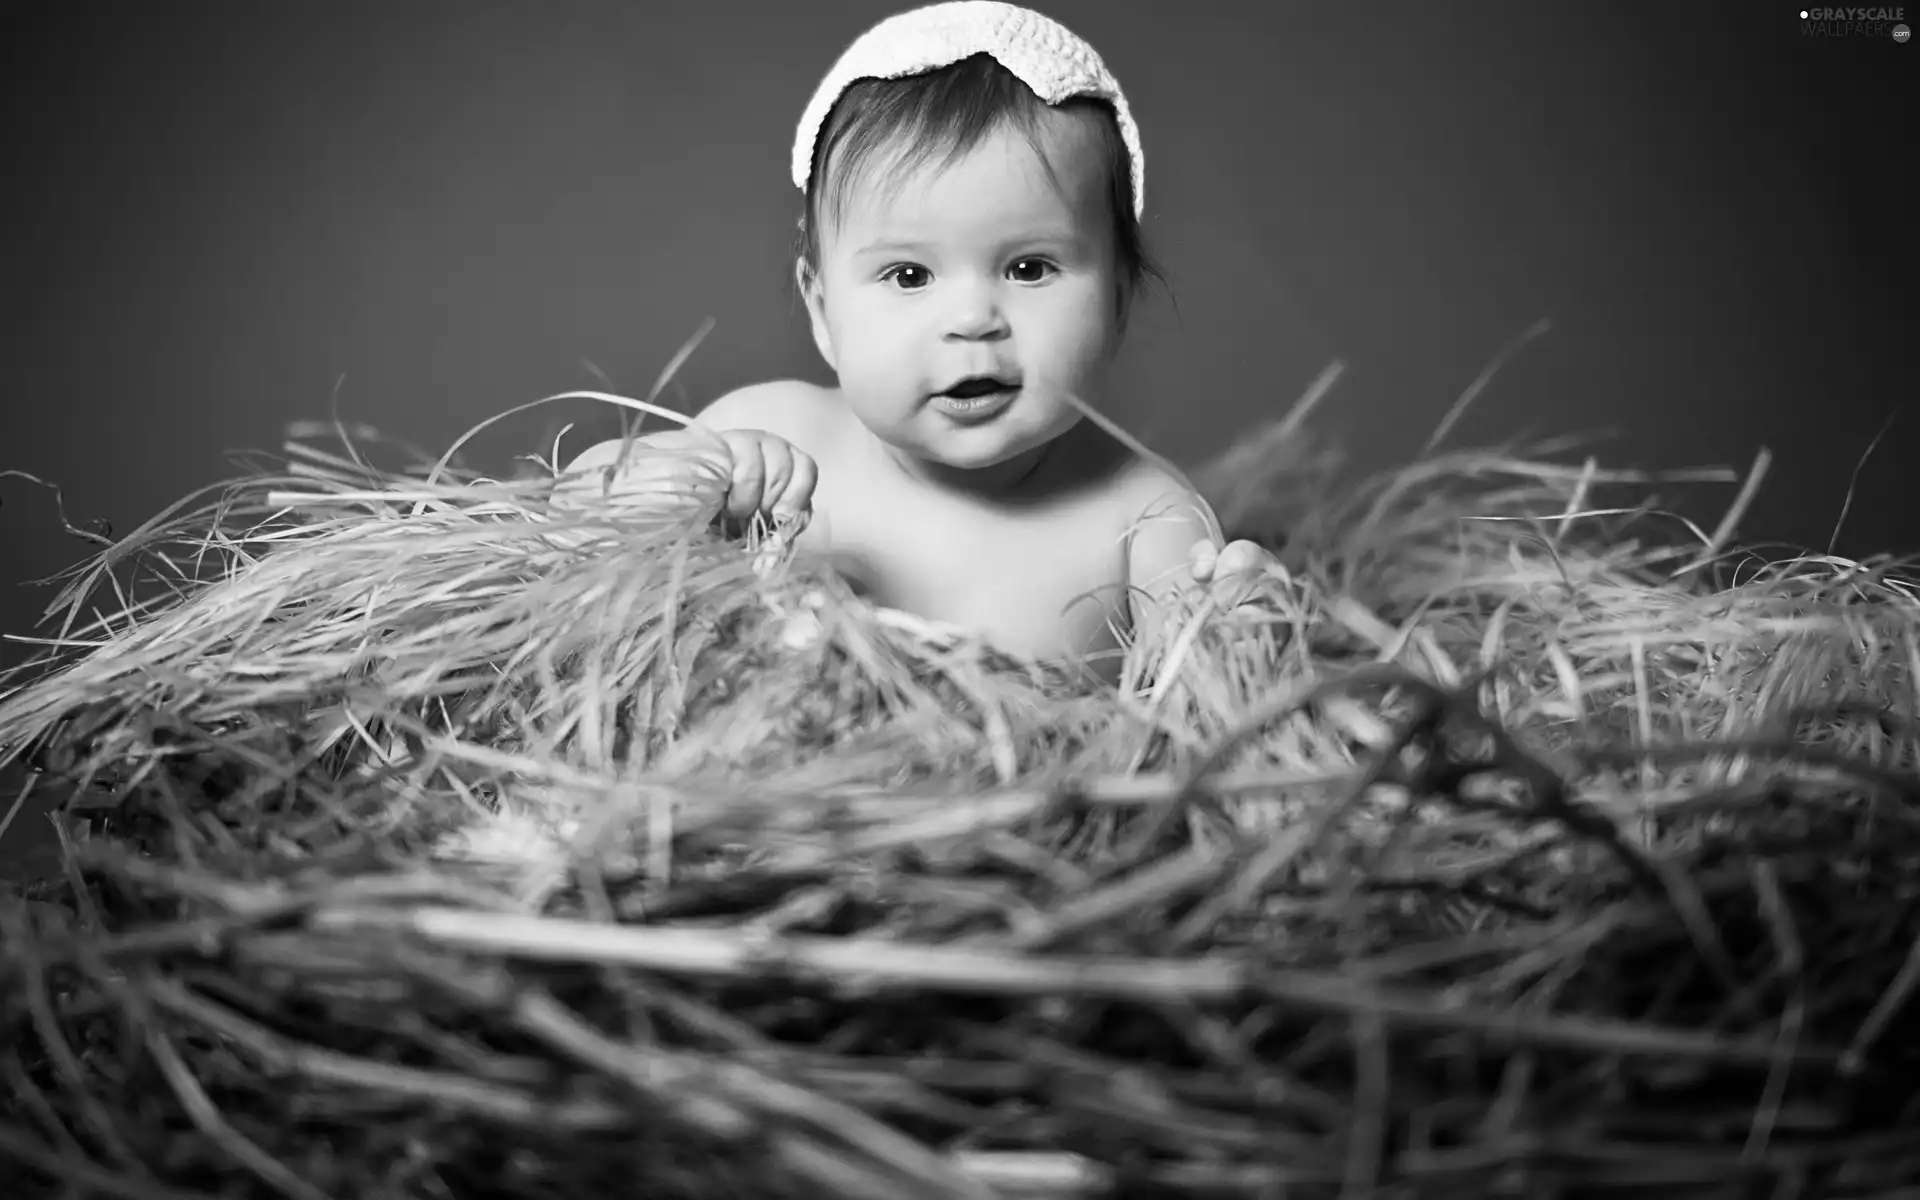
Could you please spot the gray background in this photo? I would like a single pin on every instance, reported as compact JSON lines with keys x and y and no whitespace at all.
{"x":216,"y":212}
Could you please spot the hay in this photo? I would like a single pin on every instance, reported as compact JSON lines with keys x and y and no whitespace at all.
{"x":430,"y":840}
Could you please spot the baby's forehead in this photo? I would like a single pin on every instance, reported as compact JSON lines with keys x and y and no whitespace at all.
{"x":1055,"y":166}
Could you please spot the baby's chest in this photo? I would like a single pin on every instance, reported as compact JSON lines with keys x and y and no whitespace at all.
{"x":1044,"y":584}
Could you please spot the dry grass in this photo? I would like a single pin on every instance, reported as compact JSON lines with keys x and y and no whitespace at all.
{"x":430,"y":841}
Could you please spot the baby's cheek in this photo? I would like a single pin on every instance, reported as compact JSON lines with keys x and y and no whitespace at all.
{"x":1084,"y":364}
{"x":881,"y":381}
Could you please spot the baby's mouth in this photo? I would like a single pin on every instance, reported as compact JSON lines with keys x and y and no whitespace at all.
{"x":978,"y":387}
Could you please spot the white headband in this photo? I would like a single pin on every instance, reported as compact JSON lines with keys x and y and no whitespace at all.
{"x":1041,"y":53}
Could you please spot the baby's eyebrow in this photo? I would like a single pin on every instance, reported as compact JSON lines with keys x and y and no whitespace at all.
{"x":1041,"y":236}
{"x":892,"y":246}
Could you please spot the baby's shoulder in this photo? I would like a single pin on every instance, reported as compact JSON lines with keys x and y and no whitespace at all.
{"x":803,"y":413}
{"x":1141,"y":490}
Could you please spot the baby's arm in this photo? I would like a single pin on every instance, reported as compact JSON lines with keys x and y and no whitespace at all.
{"x":754,"y":407}
{"x":745,"y":439}
{"x":1175,"y":545}
{"x":1173,"y":523}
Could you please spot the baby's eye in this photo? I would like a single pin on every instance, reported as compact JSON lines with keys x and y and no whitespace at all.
{"x":1031,"y":270}
{"x":908,"y":276}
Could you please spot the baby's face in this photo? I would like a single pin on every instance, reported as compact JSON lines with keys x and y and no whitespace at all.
{"x":988,"y":267}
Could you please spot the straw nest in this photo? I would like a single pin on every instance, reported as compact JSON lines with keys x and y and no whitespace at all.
{"x":428,"y":839}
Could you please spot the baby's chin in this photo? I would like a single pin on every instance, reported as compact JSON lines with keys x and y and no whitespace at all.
{"x":969,"y":453}
{"x":988,"y":447}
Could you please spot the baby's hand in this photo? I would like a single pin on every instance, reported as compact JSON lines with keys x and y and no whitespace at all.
{"x":735,"y":473}
{"x":769,"y":476}
{"x":1228,"y":573}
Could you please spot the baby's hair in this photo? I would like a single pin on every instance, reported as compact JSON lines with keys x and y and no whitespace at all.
{"x":951,"y":110}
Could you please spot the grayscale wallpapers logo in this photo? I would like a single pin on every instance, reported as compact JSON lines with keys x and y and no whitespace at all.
{"x":1877,"y":21}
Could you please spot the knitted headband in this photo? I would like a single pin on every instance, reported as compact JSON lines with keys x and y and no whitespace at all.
{"x":1041,"y":53}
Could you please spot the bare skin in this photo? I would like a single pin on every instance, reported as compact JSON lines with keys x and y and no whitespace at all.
{"x":1054,"y":538}
{"x":1039,"y":566}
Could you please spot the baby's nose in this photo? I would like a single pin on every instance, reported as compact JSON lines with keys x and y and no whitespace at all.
{"x":975,"y":313}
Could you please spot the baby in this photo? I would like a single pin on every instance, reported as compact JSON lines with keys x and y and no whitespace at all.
{"x":970,"y":251}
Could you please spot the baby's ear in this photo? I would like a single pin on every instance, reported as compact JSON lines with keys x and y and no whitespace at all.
{"x":1126,"y":292}
{"x":808,"y":281}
